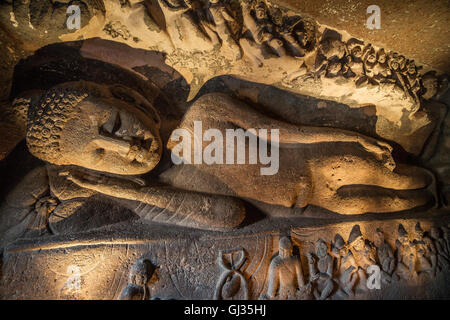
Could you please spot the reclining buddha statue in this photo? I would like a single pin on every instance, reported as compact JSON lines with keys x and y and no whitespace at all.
{"x":98,"y":139}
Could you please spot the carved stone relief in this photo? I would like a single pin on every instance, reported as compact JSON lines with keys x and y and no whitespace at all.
{"x":227,"y":150}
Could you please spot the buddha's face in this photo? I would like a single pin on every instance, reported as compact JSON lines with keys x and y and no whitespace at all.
{"x":113,"y":134}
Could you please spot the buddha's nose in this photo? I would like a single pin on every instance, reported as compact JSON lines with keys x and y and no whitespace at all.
{"x":120,"y":146}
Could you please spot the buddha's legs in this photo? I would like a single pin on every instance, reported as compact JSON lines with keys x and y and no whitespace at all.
{"x":353,"y":185}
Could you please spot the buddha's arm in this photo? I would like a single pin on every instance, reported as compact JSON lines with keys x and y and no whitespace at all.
{"x":245,"y":117}
{"x":196,"y":209}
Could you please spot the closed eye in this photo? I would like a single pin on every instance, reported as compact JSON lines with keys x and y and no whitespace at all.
{"x":111,"y":126}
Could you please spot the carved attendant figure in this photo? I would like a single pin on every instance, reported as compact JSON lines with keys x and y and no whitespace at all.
{"x":222,"y":19}
{"x":183,"y":29}
{"x":321,"y":271}
{"x":385,"y":257}
{"x":346,"y":266}
{"x":406,"y":255}
{"x":285,"y":273}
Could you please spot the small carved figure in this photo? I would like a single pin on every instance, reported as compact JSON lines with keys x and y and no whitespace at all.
{"x":443,"y":257}
{"x":354,"y":66}
{"x":426,"y":261}
{"x":329,"y":58}
{"x":222,"y":20}
{"x":381,"y":70}
{"x":397,"y":64}
{"x":362,"y":249}
{"x":405,"y":255}
{"x":285,"y":273}
{"x":364,"y":253}
{"x":346,"y":267}
{"x":138,"y":280}
{"x":385,"y":257}
{"x":257,"y":21}
{"x":183,"y":29}
{"x":295,"y":35}
{"x":321,"y":271}
{"x":258,"y":30}
{"x":446,"y":238}
{"x":412,"y":80}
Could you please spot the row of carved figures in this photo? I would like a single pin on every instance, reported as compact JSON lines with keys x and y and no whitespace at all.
{"x":339,"y":269}
{"x":266,"y":32}
{"x":345,"y":269}
{"x":259,"y":30}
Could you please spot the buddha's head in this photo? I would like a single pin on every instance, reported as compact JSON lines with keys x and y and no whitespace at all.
{"x":105,"y":128}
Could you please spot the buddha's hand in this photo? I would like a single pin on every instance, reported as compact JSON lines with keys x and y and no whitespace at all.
{"x":381,"y":150}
